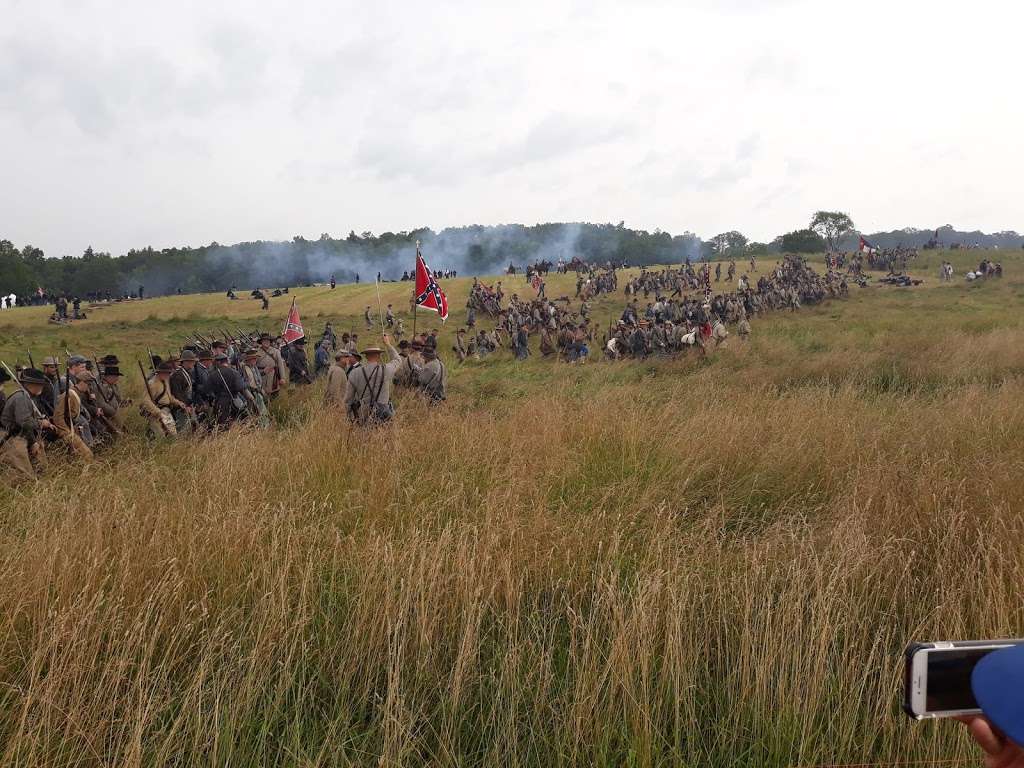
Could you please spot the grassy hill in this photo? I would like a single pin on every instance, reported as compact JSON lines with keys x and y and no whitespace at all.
{"x":695,"y":561}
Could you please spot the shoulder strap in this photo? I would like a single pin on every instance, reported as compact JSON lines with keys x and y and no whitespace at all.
{"x":368,"y":379}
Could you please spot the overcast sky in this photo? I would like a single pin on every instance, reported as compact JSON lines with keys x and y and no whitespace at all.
{"x":125,"y":124}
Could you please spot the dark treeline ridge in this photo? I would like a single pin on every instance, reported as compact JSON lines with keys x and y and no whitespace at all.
{"x":471,"y":250}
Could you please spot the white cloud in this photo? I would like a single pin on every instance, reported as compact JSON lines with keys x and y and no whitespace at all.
{"x":132,"y":124}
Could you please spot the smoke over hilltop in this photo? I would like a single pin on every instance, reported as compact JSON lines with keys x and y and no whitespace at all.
{"x":474,"y":250}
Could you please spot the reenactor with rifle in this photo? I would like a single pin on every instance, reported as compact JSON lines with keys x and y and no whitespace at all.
{"x":160,"y":404}
{"x":224,"y":388}
{"x":108,"y":397}
{"x":22,"y":424}
{"x":298,"y":365}
{"x":69,"y":409}
{"x":272,"y":368}
{"x":76,"y":365}
{"x":182,"y":390}
{"x":252,"y":382}
{"x":48,"y":399}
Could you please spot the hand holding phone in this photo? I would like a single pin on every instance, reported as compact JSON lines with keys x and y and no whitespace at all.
{"x":937,"y":677}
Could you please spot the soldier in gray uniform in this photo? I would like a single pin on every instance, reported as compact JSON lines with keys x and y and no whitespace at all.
{"x":368,"y":390}
{"x":21,"y":426}
{"x":433,"y":377}
{"x":337,"y":378}
{"x":107,"y":397}
{"x":76,"y":365}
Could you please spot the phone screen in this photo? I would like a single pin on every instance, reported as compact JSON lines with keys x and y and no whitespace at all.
{"x":949,"y":678}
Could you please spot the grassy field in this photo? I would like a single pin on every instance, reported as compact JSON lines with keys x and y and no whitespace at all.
{"x":677,"y":562}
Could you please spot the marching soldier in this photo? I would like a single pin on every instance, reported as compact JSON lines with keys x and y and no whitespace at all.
{"x":51,"y":392}
{"x":108,"y":397}
{"x":21,"y":425}
{"x":159,"y":407}
{"x":252,"y":384}
{"x":69,"y":408}
{"x":182,"y":389}
{"x":271,"y":365}
{"x":433,"y":377}
{"x":298,"y":364}
{"x":76,"y":365}
{"x":337,"y":378}
{"x":368,"y":391}
{"x":459,"y":347}
{"x":412,"y":361}
{"x":224,"y":388}
{"x":322,"y":357}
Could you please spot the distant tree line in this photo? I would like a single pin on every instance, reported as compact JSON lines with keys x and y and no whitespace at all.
{"x":471,"y":250}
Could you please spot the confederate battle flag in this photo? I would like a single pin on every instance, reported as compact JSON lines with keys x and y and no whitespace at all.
{"x":866,"y":247}
{"x":292,"y":326}
{"x":428,"y":294}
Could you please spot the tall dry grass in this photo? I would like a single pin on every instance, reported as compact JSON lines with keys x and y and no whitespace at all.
{"x":558,"y":584}
{"x":698,"y":562}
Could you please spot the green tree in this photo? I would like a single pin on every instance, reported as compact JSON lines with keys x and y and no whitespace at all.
{"x":802,"y":241}
{"x":728,"y":244}
{"x":833,"y":226}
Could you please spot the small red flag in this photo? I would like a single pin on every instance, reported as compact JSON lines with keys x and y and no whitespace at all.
{"x":293,"y":326}
{"x":428,"y":294}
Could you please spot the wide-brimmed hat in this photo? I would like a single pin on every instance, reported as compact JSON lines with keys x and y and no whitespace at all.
{"x":51,"y":361}
{"x":372,"y":350}
{"x":31,"y":376}
{"x":251,"y":352}
{"x":109,"y":360}
{"x":164,"y":367}
{"x":220,"y":357}
{"x":205,"y":354}
{"x":112,"y":370}
{"x":187,"y":355}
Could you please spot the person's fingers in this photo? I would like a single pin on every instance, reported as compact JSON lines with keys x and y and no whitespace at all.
{"x":981,"y":730}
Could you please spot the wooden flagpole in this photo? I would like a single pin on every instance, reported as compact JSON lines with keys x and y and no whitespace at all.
{"x":380,"y":312}
{"x":414,"y":304}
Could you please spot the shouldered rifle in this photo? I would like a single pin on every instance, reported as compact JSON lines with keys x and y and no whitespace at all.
{"x":239,"y":403}
{"x":152,"y":400}
{"x":35,"y":408}
{"x":31,"y":362}
{"x":67,"y":400}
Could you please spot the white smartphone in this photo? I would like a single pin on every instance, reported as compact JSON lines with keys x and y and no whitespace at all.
{"x":937,"y":676}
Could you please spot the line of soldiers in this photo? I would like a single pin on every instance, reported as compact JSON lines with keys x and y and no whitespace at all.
{"x":79,"y":411}
{"x":199,"y":391}
{"x":668,"y":326}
